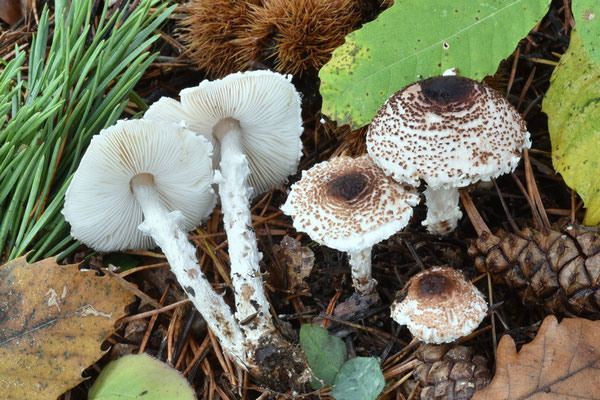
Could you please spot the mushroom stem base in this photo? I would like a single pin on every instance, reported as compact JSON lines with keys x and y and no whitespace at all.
{"x":362,"y":280}
{"x":251,"y":303}
{"x":164,"y":227}
{"x":443,"y":212}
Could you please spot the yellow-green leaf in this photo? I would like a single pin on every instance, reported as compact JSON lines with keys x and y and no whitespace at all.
{"x":572,"y":104}
{"x":53,"y":319}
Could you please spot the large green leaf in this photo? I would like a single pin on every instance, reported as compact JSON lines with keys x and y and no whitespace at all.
{"x":572,"y":104}
{"x":418,"y":39}
{"x":325,"y":353}
{"x":359,"y":379}
{"x":587,"y":18}
{"x":139,"y":376}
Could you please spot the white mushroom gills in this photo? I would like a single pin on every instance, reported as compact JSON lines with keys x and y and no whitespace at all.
{"x":254,"y":119}
{"x":155,"y":176}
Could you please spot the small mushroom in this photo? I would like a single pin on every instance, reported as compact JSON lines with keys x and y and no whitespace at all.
{"x":439,"y":306}
{"x":349,"y":204}
{"x":450,"y":132}
{"x":143,"y":182}
{"x":254,"y":120}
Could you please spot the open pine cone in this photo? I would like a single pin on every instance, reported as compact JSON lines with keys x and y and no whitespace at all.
{"x":557,"y":269}
{"x":450,"y":372}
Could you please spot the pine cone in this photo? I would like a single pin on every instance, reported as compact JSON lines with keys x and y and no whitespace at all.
{"x":557,"y":269}
{"x":450,"y":372}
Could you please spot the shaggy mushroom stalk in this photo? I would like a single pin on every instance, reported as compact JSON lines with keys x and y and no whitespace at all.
{"x":362,"y":278}
{"x":165,"y":228}
{"x":443,"y":212}
{"x":143,"y":183}
{"x":235,"y":193}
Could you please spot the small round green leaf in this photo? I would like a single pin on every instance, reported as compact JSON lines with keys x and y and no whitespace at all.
{"x":139,"y":376}
{"x":359,"y":378}
{"x":325,"y":353}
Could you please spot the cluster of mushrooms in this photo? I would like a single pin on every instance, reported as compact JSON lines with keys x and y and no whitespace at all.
{"x":147,"y":182}
{"x":447,"y":131}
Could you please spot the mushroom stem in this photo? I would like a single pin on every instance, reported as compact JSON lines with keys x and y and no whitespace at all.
{"x":164,"y":227}
{"x":252,"y":306}
{"x":443,"y":212}
{"x":362,"y":280}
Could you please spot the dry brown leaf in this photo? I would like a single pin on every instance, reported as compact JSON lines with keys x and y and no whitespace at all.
{"x":562,"y":362}
{"x":11,"y":11}
{"x":298,"y":260}
{"x":53,"y":319}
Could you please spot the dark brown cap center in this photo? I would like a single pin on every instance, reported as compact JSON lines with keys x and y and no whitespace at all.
{"x":446,"y":89}
{"x":434,"y":284}
{"x":348,"y":186}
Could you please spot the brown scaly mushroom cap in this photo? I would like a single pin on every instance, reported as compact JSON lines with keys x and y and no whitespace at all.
{"x":349,"y":204}
{"x":439,"y":306}
{"x":449,"y":131}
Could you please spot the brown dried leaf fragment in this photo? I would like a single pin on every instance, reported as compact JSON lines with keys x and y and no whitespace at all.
{"x":562,"y":362}
{"x":297,"y":259}
{"x":11,"y":10}
{"x":53,"y":319}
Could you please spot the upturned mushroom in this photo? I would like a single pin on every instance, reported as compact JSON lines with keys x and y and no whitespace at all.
{"x":450,"y":132}
{"x":254,"y":120}
{"x":142,"y":183}
{"x":349,"y":204}
{"x":439,"y":306}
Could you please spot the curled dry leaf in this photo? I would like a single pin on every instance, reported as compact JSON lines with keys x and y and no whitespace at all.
{"x":53,"y":320}
{"x":297,"y":259}
{"x":562,"y":362}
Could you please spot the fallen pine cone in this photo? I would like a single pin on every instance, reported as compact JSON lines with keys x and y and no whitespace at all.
{"x":557,"y":269}
{"x":450,"y":372}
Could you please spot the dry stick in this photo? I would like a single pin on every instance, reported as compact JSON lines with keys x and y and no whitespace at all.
{"x":513,"y":72}
{"x":478,"y":223}
{"x":151,"y":323}
{"x":219,"y":354}
{"x":414,"y":254}
{"x":372,"y":331}
{"x":142,"y":268}
{"x":400,"y":369}
{"x":511,"y":221}
{"x":402,"y":353}
{"x":397,"y":384}
{"x":572,"y":206}
{"x":170,"y":337}
{"x":153,"y":312}
{"x":199,"y":355}
{"x":413,"y":392}
{"x":526,"y":87}
{"x":131,"y":288}
{"x":537,"y":220}
{"x":533,"y":190}
{"x":331,"y":307}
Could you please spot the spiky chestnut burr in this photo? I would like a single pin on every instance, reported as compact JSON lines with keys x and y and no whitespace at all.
{"x":298,"y":35}
{"x":210,"y":30}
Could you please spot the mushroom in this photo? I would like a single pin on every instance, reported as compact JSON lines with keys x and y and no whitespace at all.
{"x":450,"y":132}
{"x":254,"y":119}
{"x":349,"y":204}
{"x":143,"y":182}
{"x":439,"y":306}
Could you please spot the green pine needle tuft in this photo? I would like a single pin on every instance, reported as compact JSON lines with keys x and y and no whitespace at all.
{"x":78,"y":81}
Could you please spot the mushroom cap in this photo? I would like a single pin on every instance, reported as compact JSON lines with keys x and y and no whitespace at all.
{"x":99,"y":203}
{"x":268,"y":109}
{"x":449,"y":131}
{"x":439,"y":306}
{"x":349,"y":204}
